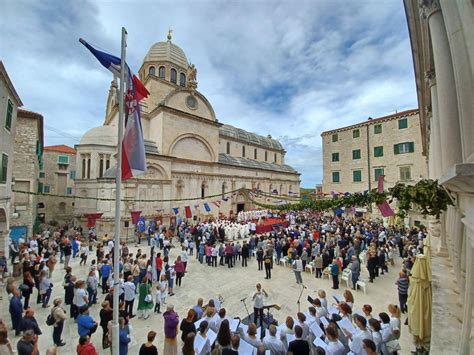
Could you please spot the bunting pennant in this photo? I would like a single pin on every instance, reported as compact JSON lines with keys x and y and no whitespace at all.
{"x":176,"y":210}
{"x":196,"y":207}
{"x":384,"y":207}
{"x":187,"y":211}
{"x":217,"y":203}
{"x":135,"y":216}
{"x":207,"y":207}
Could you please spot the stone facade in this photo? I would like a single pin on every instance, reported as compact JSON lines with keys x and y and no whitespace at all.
{"x":57,"y":178}
{"x":190,"y":154}
{"x":28,"y":149}
{"x":360,"y":148}
{"x":354,"y":156}
{"x":442,"y":39}
{"x":9,"y":103}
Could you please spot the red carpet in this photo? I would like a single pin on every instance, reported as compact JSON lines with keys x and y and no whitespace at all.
{"x":268,"y":224}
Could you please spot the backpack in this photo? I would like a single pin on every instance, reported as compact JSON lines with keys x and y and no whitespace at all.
{"x":50,"y":319}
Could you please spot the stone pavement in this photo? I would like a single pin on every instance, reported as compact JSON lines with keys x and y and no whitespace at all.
{"x":207,"y":282}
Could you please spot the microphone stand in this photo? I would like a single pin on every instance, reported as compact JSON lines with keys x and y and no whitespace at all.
{"x":301,"y":293}
{"x":245,"y":305}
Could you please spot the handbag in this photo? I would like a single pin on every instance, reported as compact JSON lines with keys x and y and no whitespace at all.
{"x":148,"y":298}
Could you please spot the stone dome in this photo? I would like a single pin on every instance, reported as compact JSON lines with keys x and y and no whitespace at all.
{"x":167,"y":51}
{"x":102,"y":135}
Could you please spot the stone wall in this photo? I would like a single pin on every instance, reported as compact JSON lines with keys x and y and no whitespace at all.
{"x":25,"y":171}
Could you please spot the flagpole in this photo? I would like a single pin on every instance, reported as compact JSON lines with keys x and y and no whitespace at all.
{"x":118,"y":187}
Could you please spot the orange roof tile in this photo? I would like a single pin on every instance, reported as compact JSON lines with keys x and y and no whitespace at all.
{"x":60,"y":149}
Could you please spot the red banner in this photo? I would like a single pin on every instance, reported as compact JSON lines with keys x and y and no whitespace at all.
{"x":384,"y":207}
{"x":135,"y":216}
{"x":188,"y":213}
{"x":91,"y":218}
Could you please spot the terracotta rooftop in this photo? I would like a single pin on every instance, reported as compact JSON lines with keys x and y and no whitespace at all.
{"x":374,"y":120}
{"x":60,"y":149}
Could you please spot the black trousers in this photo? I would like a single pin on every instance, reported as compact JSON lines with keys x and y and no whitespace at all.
{"x":335,"y":282}
{"x":57,"y":331}
{"x":258,"y":313}
{"x":319,"y":272}
{"x":244,"y":260}
{"x":214,"y":261}
{"x":260,"y":264}
{"x":268,"y":270}
{"x":129,"y":307}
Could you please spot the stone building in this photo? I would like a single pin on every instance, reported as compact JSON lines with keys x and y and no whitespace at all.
{"x":190,"y":154}
{"x":57,"y":178}
{"x":9,"y":103}
{"x":355,"y":156}
{"x":28,"y":150}
{"x":442,"y":40}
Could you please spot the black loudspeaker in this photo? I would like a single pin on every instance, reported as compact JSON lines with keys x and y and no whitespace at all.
{"x":126,"y":223}
{"x":195,"y":218}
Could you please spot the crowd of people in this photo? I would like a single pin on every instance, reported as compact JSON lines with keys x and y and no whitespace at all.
{"x":149,"y":278}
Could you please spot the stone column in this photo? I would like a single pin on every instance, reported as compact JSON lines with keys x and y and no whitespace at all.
{"x":435,"y":139}
{"x":468,"y":302}
{"x":447,"y":101}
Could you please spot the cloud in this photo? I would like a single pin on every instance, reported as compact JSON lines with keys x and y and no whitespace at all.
{"x":291,"y":69}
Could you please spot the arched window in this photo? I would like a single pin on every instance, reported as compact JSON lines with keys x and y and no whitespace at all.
{"x":174,"y":76}
{"x":228,"y":148}
{"x":152,"y":71}
{"x":203,"y":190}
{"x":243,"y":151}
{"x":223,"y":190}
{"x":179,"y":189}
{"x":161,"y":72}
{"x":255,"y":153}
{"x":182,"y":79}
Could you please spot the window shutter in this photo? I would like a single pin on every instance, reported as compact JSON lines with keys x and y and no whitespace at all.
{"x":411,"y":147}
{"x":396,"y":148}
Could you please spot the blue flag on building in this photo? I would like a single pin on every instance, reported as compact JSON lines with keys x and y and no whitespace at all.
{"x":207,"y":207}
{"x":176,"y":210}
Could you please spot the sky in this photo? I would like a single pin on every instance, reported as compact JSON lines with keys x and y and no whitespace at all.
{"x":292,"y":69}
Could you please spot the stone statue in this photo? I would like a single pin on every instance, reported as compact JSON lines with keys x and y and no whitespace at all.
{"x":193,"y":73}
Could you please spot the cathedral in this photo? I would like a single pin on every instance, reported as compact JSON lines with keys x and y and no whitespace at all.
{"x":195,"y":163}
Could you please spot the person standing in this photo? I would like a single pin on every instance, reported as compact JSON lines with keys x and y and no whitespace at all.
{"x":267,"y":260}
{"x":28,"y":344}
{"x":245,"y":253}
{"x":258,"y":297}
{"x":260,"y":258}
{"x":355,"y":271}
{"x":318,"y":265}
{"x":59,"y":315}
{"x":179,"y":269}
{"x":16,"y":311}
{"x":105,"y":271}
{"x":171,"y":331}
{"x":145,"y":300}
{"x":148,"y":348}
{"x":124,"y":339}
{"x":187,"y":325}
{"x":335,"y":275}
{"x":298,"y":269}
{"x":45,"y":287}
{"x":402,"y":285}
{"x":92,"y":287}
{"x":158,"y":265}
{"x":67,"y":251}
{"x":129,"y":295}
{"x":105,"y":315}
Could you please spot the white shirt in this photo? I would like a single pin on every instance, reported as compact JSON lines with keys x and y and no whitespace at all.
{"x":274,"y":345}
{"x":356,"y":344}
{"x":258,"y":299}
{"x":335,"y":348}
{"x":299,"y":265}
{"x":79,"y":295}
{"x":129,"y":290}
